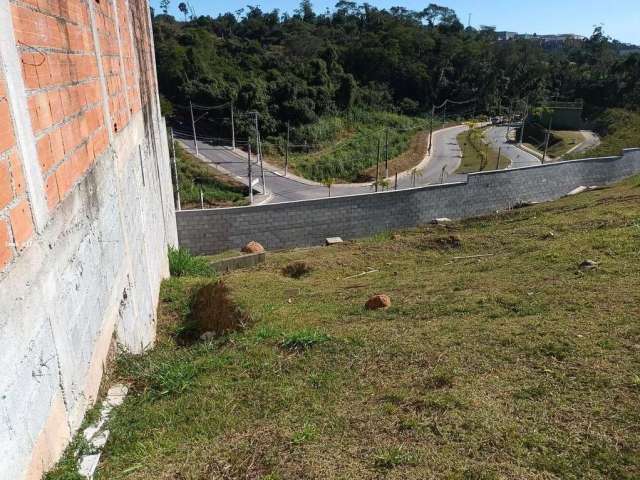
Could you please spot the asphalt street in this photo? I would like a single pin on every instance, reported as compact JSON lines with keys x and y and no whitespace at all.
{"x":439,"y":167}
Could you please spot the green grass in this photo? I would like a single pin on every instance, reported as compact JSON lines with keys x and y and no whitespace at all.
{"x":346,"y":149}
{"x":476,"y":157}
{"x":618,"y":129}
{"x":218,"y":190}
{"x":182,"y":263}
{"x":517,"y":365}
{"x":566,"y":140}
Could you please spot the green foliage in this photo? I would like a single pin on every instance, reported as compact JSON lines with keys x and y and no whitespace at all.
{"x":194,"y":177}
{"x":303,"y":340}
{"x":618,"y":129}
{"x":344,"y":147}
{"x":304,"y":67}
{"x":182,"y":263}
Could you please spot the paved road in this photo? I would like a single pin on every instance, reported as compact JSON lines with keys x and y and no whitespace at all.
{"x":439,"y":167}
{"x":497,"y":136}
{"x":591,"y":140}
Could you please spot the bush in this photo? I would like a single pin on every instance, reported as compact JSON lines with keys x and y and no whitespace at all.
{"x":182,"y":264}
{"x":296,"y":270}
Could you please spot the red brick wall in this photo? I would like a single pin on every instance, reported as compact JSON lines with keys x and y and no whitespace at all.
{"x":60,"y":67}
{"x":16,"y":224}
{"x":60,"y":72}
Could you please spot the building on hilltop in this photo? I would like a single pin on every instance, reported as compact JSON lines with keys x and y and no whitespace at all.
{"x":86,"y":212}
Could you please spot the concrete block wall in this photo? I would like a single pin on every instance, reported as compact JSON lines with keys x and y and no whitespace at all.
{"x":86,"y":212}
{"x":306,"y":223}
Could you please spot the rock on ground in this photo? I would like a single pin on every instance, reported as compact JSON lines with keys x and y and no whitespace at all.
{"x":377,"y":302}
{"x":253,"y":247}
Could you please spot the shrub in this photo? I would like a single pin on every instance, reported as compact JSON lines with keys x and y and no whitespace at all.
{"x":182,"y":263}
{"x":296,"y":270}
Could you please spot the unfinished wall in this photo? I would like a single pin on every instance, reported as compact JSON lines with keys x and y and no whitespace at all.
{"x":298,"y":224}
{"x":86,"y":212}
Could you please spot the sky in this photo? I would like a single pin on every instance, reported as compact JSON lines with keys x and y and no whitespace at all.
{"x":620,"y":18}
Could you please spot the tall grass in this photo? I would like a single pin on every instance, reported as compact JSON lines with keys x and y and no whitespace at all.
{"x":194,"y":176}
{"x":182,"y":263}
{"x":344,"y":147}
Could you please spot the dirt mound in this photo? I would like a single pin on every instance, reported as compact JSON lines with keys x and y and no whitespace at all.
{"x":377,"y":302}
{"x":296,"y":270}
{"x":214,"y":313}
{"x":252,"y":247}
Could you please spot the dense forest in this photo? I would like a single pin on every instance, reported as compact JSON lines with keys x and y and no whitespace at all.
{"x":300,"y":67}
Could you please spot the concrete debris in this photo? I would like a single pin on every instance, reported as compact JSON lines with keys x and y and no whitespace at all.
{"x":549,"y":236}
{"x":253,"y":247}
{"x":377,"y":302}
{"x":441,"y":221}
{"x":333,"y":241}
{"x":96,"y":435}
{"x":576,"y":191}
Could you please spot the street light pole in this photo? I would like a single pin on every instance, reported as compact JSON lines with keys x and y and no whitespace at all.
{"x":175,"y":170}
{"x":546,"y":143}
{"x":193,"y":125}
{"x":259,"y":153}
{"x":433,"y":112}
{"x":378,"y":165}
{"x":286,"y":152}
{"x":233,"y":129}
{"x":250,"y":173}
{"x":386,"y":153}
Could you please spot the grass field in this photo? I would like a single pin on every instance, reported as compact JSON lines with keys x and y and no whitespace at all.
{"x":618,"y":129}
{"x":476,"y":157}
{"x":346,"y":149}
{"x":218,"y":190}
{"x":516,"y":365}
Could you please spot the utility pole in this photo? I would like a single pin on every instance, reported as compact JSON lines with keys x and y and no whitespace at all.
{"x":546,"y":143}
{"x":509,"y":119}
{"x":444,"y":114}
{"x":286,"y":152}
{"x":249,"y":173}
{"x":175,"y":170}
{"x":524,"y":120}
{"x":499,"y":155}
{"x":233,"y":129}
{"x":259,"y":153}
{"x":386,"y":153}
{"x":378,"y":165}
{"x":193,"y":125}
{"x":433,"y":112}
{"x":396,"y":183}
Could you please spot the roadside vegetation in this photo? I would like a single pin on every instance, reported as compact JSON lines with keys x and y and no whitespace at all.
{"x":346,"y":148}
{"x":218,"y":190}
{"x":515,"y":364}
{"x":618,"y":129}
{"x":560,"y":141}
{"x":477,"y":153}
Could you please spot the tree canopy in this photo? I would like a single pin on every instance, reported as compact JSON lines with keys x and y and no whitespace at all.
{"x":298,"y":67}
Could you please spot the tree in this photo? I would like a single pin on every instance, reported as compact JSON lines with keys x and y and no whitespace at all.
{"x":164,"y":6}
{"x":182,"y":6}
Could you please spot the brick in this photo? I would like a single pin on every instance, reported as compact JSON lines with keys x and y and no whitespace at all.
{"x":17,"y":174}
{"x":45,"y":155}
{"x":7,"y":139}
{"x":65,"y":177}
{"x":6,"y":191}
{"x":51,"y":192}
{"x":6,"y":252}
{"x":21,"y":223}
